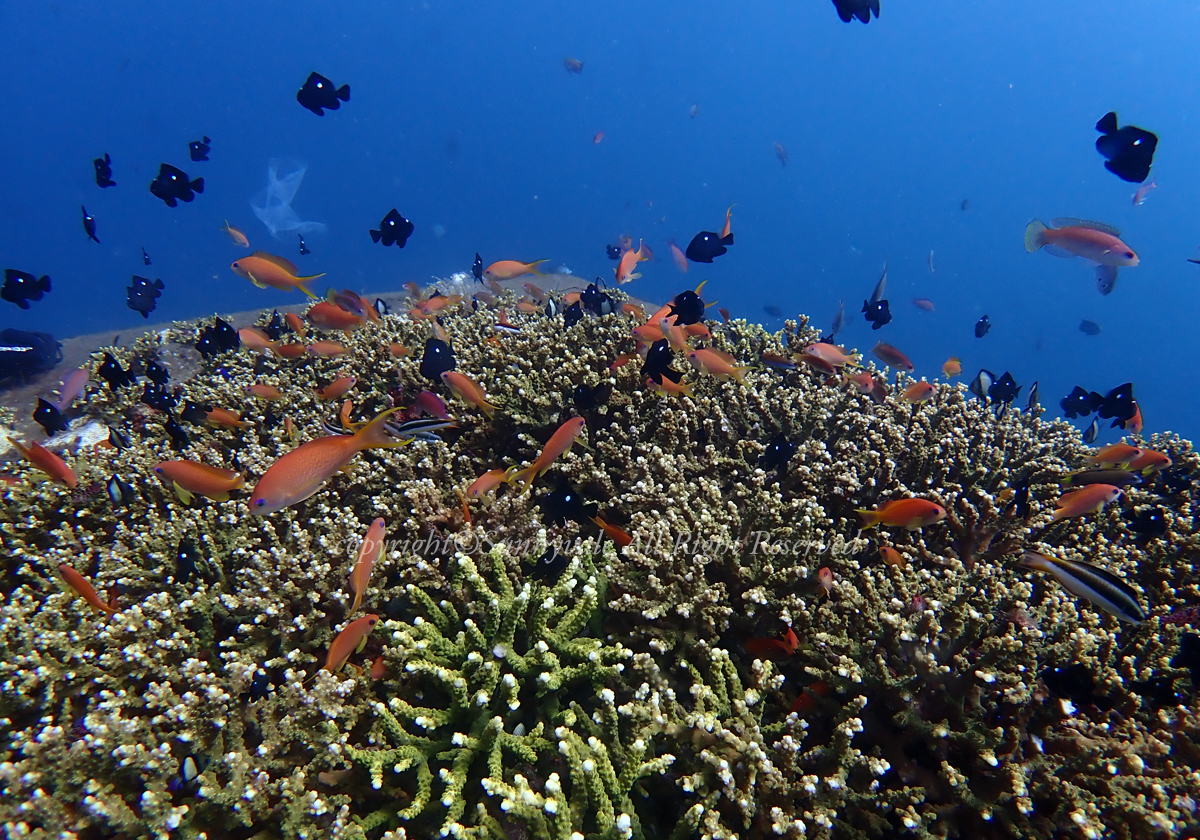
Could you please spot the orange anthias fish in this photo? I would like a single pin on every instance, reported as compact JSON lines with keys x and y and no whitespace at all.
{"x":327,"y":349}
{"x":952,"y":367}
{"x":559,"y":444}
{"x":328,"y":316}
{"x":486,"y":483}
{"x":825,"y":581}
{"x":398,"y":351}
{"x":1095,"y":242}
{"x":435,"y":304}
{"x":296,"y":323}
{"x":303,"y":472}
{"x":835,"y":356}
{"x":263,"y":270}
{"x":508,"y":269}
{"x":255,"y":339}
{"x":717,"y":363}
{"x":47,"y":462}
{"x":677,"y":255}
{"x":919,"y":392}
{"x":351,"y":639}
{"x":1150,"y":461}
{"x":891,"y":556}
{"x":669,"y":388}
{"x":1089,"y":499}
{"x":1115,"y":455}
{"x":624,"y":269}
{"x":536,"y":293}
{"x":467,"y":390}
{"x":336,"y":389}
{"x":614,"y":533}
{"x":378,"y":668}
{"x":223,"y":418}
{"x":891,"y":356}
{"x":265,"y":392}
{"x":768,"y":648}
{"x":290,"y":351}
{"x":725,"y":231}
{"x":369,"y":553}
{"x":235,"y":234}
{"x":84,"y":588}
{"x":192,"y":477}
{"x":1134,"y":423}
{"x":597,"y":137}
{"x":912,"y":514}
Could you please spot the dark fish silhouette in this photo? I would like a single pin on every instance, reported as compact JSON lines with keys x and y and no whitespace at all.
{"x":110,"y":371}
{"x":658,"y":363}
{"x":172,"y":185}
{"x":877,"y":313}
{"x":393,"y":230}
{"x":145,"y":257}
{"x":573,"y":314}
{"x":144,"y":294}
{"x":220,"y":338}
{"x":778,"y":454}
{"x":1129,"y":150}
{"x":706,"y":245}
{"x":158,"y":397}
{"x":1032,"y":403}
{"x":382,"y":308}
{"x":319,"y":95}
{"x":596,"y":301}
{"x":687,"y":307}
{"x":20,"y":287}
{"x":550,"y":566}
{"x":848,"y":10}
{"x":982,"y":326}
{"x":303,"y":248}
{"x":982,"y":383}
{"x":773,"y":311}
{"x":119,"y":493}
{"x":179,"y":437}
{"x":614,"y":253}
{"x":199,"y":149}
{"x":436,"y":360}
{"x":1004,"y":389}
{"x":89,"y":225}
{"x":477,"y":268}
{"x":573,"y":65}
{"x":156,"y":373}
{"x":1093,"y":429}
{"x":49,"y":417}
{"x":1089,"y":327}
{"x":1079,"y":403}
{"x":564,"y":504}
{"x":1117,"y":404}
{"x":104,"y":172}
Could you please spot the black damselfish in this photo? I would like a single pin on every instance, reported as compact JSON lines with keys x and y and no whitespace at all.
{"x":104,"y":172}
{"x":144,"y":294}
{"x":1078,"y":403}
{"x":393,"y":230}
{"x":596,"y":301}
{"x":982,"y":326}
{"x":156,"y":373}
{"x":49,"y":417}
{"x":304,"y":252}
{"x":1005,"y":389}
{"x":687,"y":307}
{"x":778,"y":454}
{"x":158,"y":397}
{"x":706,"y":245}
{"x":89,"y":225}
{"x":1089,"y":327}
{"x":199,"y":149}
{"x":1129,"y":150}
{"x":565,"y":504}
{"x":221,"y":337}
{"x":848,"y":10}
{"x":110,"y":371}
{"x":658,"y":363}
{"x":573,"y":314}
{"x":179,"y":437}
{"x":614,"y":252}
{"x":319,"y":95}
{"x":145,"y":257}
{"x":172,"y":185}
{"x":477,"y":268}
{"x":20,"y":287}
{"x":436,"y":360}
{"x":877,"y":313}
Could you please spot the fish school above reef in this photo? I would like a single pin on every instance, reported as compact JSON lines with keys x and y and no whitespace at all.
{"x":550,"y":594}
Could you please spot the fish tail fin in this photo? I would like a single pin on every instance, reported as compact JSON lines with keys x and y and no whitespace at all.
{"x":1034,"y":238}
{"x":306,"y":291}
{"x":357,"y":603}
{"x":525,"y":476}
{"x":869,"y":517}
{"x":197,"y":185}
{"x":533,"y":267}
{"x":727,"y":239}
{"x":375,"y":435}
{"x":343,"y":93}
{"x":311,"y":277}
{"x":376,"y":235}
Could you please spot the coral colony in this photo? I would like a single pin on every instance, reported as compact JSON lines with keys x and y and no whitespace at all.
{"x":681,"y":629}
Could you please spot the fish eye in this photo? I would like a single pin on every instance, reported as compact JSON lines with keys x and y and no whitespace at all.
{"x":260,"y":503}
{"x":1129,"y":255}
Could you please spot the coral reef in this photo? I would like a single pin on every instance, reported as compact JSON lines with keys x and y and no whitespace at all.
{"x":537,"y":685}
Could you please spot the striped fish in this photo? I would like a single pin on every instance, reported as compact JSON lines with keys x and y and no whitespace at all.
{"x":1101,"y":587}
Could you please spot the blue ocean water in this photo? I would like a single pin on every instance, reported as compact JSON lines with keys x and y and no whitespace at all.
{"x":464,"y":118}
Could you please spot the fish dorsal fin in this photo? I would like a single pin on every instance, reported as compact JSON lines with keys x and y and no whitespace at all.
{"x":1067,"y":221}
{"x":286,"y":265}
